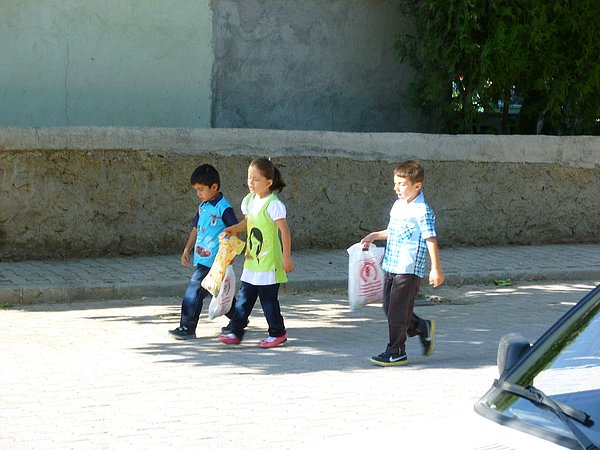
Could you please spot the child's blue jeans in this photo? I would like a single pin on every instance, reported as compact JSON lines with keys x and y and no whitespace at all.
{"x":193,"y":298}
{"x":246,"y":300}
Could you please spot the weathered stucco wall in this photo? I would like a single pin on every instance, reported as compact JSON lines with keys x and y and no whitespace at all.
{"x":76,"y":192}
{"x":310,"y":65}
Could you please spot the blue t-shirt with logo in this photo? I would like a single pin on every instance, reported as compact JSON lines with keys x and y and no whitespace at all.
{"x":211,"y":219}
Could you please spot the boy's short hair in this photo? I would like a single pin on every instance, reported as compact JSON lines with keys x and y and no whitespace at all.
{"x":411,"y":170}
{"x":206,"y":175}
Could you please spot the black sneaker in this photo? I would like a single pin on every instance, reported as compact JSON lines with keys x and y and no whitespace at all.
{"x":428,"y":338}
{"x":227,"y":329}
{"x":389,"y":359}
{"x":182,"y":333}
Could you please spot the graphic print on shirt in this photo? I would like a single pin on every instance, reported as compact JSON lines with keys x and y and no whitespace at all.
{"x":210,"y":243}
{"x":209,"y":223}
{"x":203,"y":251}
{"x":256,"y":246}
{"x":214,"y":220}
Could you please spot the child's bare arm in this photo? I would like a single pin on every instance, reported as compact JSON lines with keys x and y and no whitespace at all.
{"x":436,"y":276}
{"x":236,"y":229}
{"x":286,"y":243}
{"x":374,"y":236}
{"x":185,"y":256}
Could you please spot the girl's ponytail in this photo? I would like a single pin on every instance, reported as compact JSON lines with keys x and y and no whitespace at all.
{"x":278,"y":183}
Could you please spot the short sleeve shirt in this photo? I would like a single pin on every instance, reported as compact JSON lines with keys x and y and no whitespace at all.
{"x":211,"y":219}
{"x":410,"y":225}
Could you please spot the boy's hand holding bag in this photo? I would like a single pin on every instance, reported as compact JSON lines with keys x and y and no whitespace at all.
{"x":365,"y":275}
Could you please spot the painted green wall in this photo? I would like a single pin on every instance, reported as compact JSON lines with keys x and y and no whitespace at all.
{"x":105,"y":62}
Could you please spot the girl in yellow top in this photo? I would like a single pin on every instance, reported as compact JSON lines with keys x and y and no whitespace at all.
{"x":268,"y":254}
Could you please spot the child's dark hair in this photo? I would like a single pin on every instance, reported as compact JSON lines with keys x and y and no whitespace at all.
{"x":259,"y":237}
{"x":411,"y":170}
{"x":270,"y":172}
{"x":206,"y":175}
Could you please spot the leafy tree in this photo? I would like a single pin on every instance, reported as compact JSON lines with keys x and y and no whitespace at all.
{"x":474,"y":55}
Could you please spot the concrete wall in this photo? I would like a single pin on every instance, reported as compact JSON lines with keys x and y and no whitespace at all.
{"x":75,"y":192}
{"x":105,"y":62}
{"x":310,"y":65}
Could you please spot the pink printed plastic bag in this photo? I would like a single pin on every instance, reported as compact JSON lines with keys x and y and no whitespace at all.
{"x":365,"y":275}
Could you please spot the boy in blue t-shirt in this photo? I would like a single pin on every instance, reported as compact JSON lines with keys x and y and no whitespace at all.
{"x":213,"y":216}
{"x":410,"y":236}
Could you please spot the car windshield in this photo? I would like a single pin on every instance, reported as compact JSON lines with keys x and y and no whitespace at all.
{"x":565,"y":365}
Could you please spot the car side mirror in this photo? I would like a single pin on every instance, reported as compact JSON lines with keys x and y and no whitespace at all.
{"x":512,"y":348}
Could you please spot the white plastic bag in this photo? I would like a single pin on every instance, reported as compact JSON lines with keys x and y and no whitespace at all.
{"x":221,"y":303}
{"x":365,"y":275}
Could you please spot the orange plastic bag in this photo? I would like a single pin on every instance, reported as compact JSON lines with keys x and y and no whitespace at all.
{"x":229,"y":248}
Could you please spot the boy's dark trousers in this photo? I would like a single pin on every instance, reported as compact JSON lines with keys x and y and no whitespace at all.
{"x":193,"y":297}
{"x":399,"y":293}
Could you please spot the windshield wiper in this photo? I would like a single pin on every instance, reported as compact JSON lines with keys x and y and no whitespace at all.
{"x":563,"y":411}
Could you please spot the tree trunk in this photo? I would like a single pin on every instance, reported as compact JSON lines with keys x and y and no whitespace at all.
{"x":505,"y":115}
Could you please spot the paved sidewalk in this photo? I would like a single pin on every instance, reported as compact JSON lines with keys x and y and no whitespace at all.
{"x":100,"y":375}
{"x":135,"y":277}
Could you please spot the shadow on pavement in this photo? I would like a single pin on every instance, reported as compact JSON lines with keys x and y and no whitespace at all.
{"x":324,"y":335}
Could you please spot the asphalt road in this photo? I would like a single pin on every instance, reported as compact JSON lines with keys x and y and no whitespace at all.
{"x":106,"y":374}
